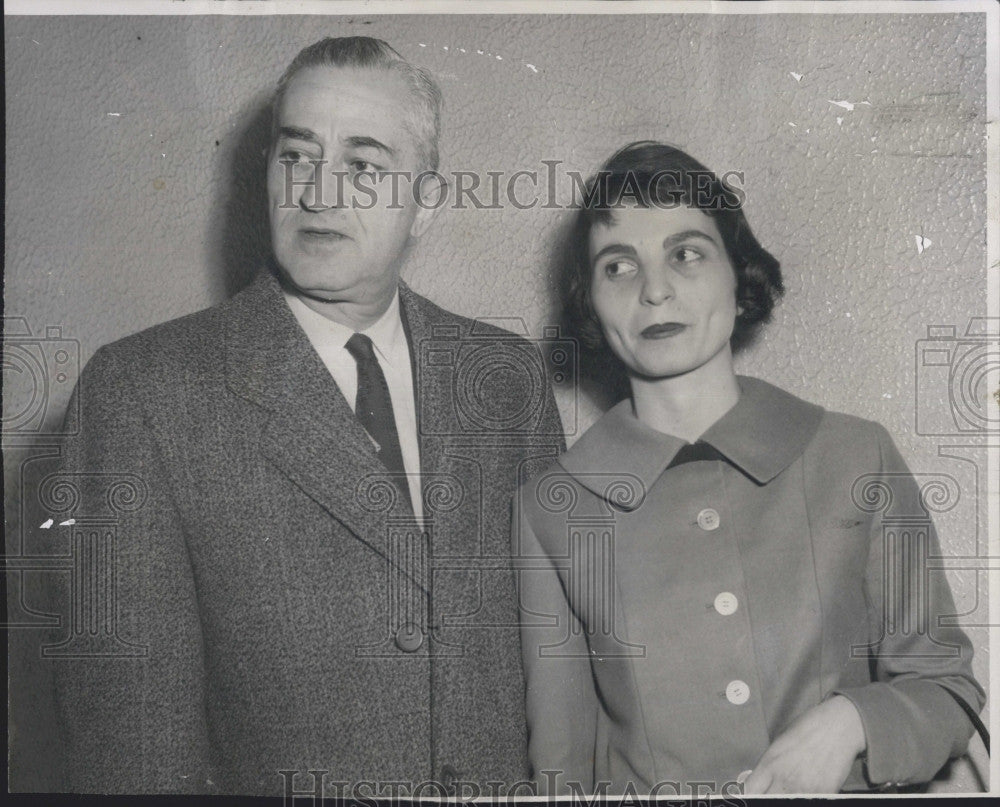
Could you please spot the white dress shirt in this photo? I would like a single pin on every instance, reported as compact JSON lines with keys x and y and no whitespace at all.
{"x":393,"y":351}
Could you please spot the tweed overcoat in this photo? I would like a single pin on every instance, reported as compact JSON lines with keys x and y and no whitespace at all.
{"x":684,"y":604}
{"x":275,"y":608}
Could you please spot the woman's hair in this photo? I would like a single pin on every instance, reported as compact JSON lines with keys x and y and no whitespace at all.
{"x":654,"y":174}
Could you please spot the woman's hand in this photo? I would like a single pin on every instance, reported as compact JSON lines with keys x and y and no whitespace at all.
{"x":815,"y":753}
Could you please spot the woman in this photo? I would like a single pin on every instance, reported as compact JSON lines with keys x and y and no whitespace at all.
{"x":713,"y":579}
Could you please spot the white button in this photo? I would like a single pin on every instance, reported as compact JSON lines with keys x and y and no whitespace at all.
{"x":708,"y":519}
{"x":726,"y":603}
{"x":737,"y":692}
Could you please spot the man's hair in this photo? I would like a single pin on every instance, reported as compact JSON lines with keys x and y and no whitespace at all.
{"x":364,"y":52}
{"x":654,"y":174}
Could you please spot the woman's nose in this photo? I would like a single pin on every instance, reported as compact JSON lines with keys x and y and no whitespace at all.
{"x":656,"y":288}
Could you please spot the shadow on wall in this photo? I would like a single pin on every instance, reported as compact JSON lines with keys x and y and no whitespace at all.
{"x":240,"y":229}
{"x":35,"y":761}
{"x":601,"y":377}
{"x":239,"y":233}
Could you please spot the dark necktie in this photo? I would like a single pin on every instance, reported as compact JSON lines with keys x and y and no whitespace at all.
{"x":373,"y":407}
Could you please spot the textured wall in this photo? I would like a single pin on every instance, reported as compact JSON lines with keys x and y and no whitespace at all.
{"x":134,"y":196}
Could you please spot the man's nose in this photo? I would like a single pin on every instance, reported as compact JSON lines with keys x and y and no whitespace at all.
{"x":657,"y":287}
{"x":322,"y":187}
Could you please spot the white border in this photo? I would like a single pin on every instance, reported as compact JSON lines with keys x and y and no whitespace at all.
{"x":428,"y":7}
{"x":993,"y":311}
{"x":376,"y":7}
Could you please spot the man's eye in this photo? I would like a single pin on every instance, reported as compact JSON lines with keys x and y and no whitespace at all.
{"x":364,"y":167}
{"x":687,"y":255}
{"x":620,"y":269}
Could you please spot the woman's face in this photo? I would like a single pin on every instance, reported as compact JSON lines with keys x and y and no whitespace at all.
{"x":663,"y":289}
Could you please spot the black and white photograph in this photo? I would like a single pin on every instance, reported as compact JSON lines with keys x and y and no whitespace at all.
{"x":496,"y":400}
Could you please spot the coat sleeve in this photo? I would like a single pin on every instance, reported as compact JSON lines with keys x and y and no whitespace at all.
{"x":131,"y":706}
{"x":561,"y":702}
{"x":912,"y":725}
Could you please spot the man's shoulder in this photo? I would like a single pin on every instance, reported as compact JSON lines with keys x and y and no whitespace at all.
{"x":187,"y":344}
{"x":175,"y":335}
{"x":184,"y":342}
{"x":448,"y":324}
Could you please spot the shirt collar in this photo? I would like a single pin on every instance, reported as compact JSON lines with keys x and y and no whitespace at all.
{"x":386,"y":332}
{"x":762,"y":434}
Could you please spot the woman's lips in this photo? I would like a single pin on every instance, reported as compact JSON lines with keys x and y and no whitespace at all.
{"x":663,"y":330}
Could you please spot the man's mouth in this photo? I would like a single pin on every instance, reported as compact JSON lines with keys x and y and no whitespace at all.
{"x":321,"y":234}
{"x":662,"y":330}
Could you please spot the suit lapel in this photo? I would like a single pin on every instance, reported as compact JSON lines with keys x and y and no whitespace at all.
{"x":312,"y":435}
{"x":443,"y":475}
{"x":433,"y":398}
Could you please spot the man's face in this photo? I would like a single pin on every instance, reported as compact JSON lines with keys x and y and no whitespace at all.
{"x":353,"y":120}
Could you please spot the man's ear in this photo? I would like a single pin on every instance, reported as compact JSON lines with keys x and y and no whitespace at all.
{"x":433,"y":189}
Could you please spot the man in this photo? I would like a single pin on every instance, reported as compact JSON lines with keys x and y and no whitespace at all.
{"x":309,"y":558}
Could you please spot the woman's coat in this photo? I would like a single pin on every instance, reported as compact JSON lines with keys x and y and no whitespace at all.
{"x":683,"y":604}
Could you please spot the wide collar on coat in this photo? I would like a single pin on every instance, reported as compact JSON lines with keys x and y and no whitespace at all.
{"x":762,"y":434}
{"x":312,"y":435}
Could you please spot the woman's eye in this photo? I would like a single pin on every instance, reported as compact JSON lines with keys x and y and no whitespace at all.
{"x":291,"y":155}
{"x":687,"y":255}
{"x":620,"y":269}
